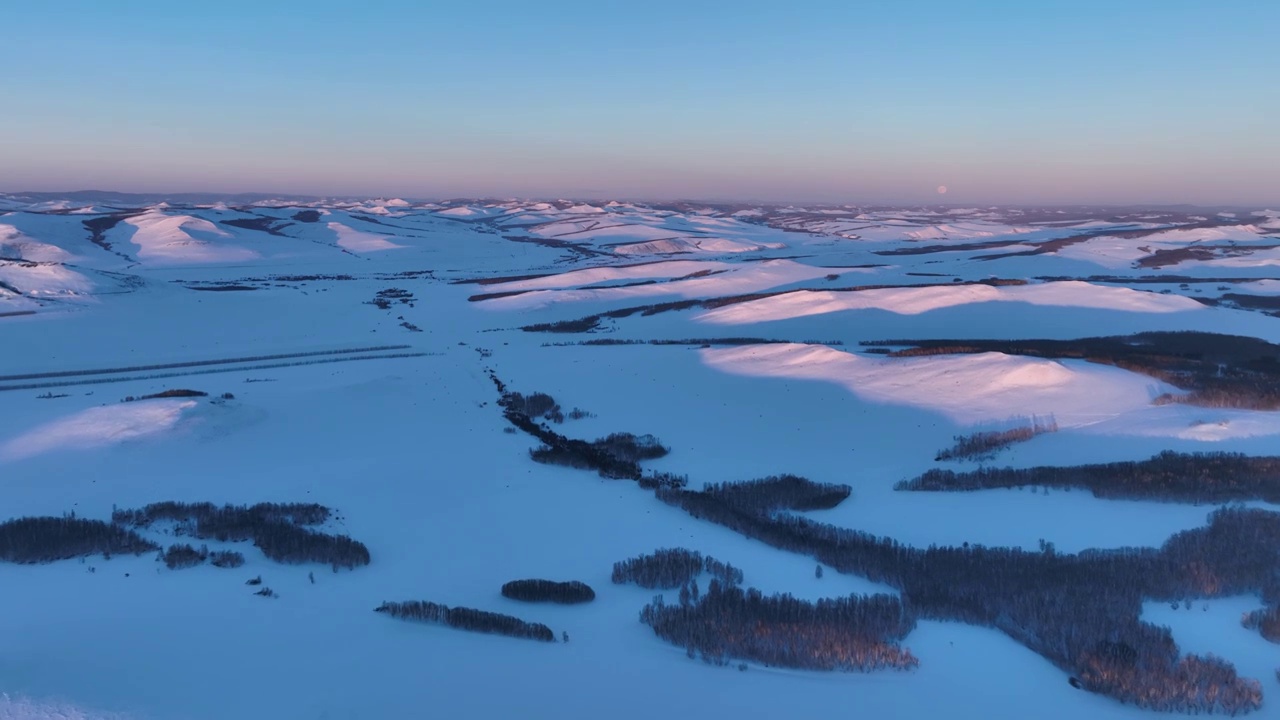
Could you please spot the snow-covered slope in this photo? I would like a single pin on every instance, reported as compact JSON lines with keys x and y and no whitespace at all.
{"x":913,"y":301}
{"x":181,"y":239}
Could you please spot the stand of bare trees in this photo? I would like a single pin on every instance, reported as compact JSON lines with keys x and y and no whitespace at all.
{"x":1169,"y":477}
{"x":853,"y":633}
{"x":1266,"y":621}
{"x":671,"y":568}
{"x":565,"y":593}
{"x":47,"y":539}
{"x":278,"y":529}
{"x":1081,"y":612}
{"x":466,"y":619}
{"x":985,"y":444}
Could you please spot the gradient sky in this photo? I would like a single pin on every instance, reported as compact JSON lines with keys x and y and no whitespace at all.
{"x":1032,"y":101}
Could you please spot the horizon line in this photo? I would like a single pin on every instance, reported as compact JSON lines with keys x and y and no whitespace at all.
{"x":623,"y":198}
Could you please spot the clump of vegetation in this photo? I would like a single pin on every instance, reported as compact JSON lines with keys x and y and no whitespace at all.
{"x":776,"y":492}
{"x":565,"y":593}
{"x":385,"y":298}
{"x":582,"y":325}
{"x":671,"y":568}
{"x":1269,"y":304}
{"x":1266,"y":621}
{"x":226,"y":559}
{"x":853,"y":633}
{"x":1229,"y":371}
{"x":1081,"y":612}
{"x":175,"y":393}
{"x":47,"y":539}
{"x":536,"y":405}
{"x":1168,"y":477}
{"x":466,"y":619}
{"x":182,"y":556}
{"x":267,"y":592}
{"x":985,"y":444}
{"x":278,"y":529}
{"x":655,"y":480}
{"x":615,"y":456}
{"x":226,"y":522}
{"x":580,"y":414}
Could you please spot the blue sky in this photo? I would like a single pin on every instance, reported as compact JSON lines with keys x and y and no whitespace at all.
{"x":1002,"y":102}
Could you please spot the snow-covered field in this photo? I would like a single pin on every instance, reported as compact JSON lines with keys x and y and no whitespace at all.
{"x":408,"y":444}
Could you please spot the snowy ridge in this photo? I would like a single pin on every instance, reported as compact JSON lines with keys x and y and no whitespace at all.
{"x":169,"y":239}
{"x":913,"y":301}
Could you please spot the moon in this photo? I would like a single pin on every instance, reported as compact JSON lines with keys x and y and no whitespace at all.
{"x":942,"y":189}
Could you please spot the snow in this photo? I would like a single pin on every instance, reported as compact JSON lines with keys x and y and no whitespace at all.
{"x":97,"y":427}
{"x":24,"y":708}
{"x":913,"y":301}
{"x":1213,"y":628}
{"x":181,"y":239}
{"x":412,"y":453}
{"x":46,"y":280}
{"x":359,"y":241}
{"x":1117,"y":252}
{"x":739,"y":278}
{"x":994,"y":387}
{"x":14,"y":244}
{"x":692,"y":245}
{"x":1240,"y":233}
{"x":965,"y":388}
{"x":591,"y":276}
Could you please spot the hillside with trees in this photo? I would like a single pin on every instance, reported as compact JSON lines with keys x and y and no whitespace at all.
{"x":1168,"y":477}
{"x":1081,"y":612}
{"x":1223,"y":371}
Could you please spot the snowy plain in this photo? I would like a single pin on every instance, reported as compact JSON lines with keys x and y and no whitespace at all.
{"x":412,"y":453}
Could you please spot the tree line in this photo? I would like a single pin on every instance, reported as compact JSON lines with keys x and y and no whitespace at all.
{"x":182,"y":555}
{"x":466,"y":619}
{"x":1216,"y":477}
{"x":670,"y":568}
{"x":535,"y":590}
{"x":985,"y":444}
{"x":616,"y":456}
{"x":535,"y":405}
{"x":1266,"y":621}
{"x":851,"y":633}
{"x":1081,"y":612}
{"x":278,"y":529}
{"x":48,"y":539}
{"x":774,"y":492}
